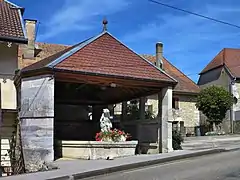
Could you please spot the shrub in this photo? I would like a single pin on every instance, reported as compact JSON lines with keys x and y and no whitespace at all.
{"x":177,"y":140}
{"x":214,"y":102}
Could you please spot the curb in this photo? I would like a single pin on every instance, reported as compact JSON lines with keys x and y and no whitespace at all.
{"x":139,"y":164}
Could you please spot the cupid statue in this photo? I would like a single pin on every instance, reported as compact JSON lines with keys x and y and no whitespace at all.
{"x":105,"y":122}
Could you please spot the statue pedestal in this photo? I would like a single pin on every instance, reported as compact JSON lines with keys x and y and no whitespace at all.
{"x":97,"y":149}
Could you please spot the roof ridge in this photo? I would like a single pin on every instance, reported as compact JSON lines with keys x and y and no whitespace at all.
{"x":73,"y":50}
{"x":13,"y":4}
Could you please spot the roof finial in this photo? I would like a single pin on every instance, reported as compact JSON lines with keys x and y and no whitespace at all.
{"x":105,"y":22}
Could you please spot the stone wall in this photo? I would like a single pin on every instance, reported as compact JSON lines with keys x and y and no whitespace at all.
{"x":37,"y":120}
{"x":189,"y":113}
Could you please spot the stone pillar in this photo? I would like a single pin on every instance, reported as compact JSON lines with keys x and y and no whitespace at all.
{"x":142,"y":108}
{"x":37,"y":121}
{"x":165,"y":120}
{"x":124,"y":111}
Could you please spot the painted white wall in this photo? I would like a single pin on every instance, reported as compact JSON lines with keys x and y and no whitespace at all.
{"x":8,"y":65}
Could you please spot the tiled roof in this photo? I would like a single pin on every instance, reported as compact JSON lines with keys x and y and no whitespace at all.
{"x":42,"y":51}
{"x":103,"y":55}
{"x":11,"y":24}
{"x":185,"y":84}
{"x":228,"y":57}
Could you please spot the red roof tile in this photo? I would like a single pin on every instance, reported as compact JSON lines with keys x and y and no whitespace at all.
{"x":185,"y":84}
{"x":107,"y":56}
{"x":228,"y":57}
{"x":104,"y":55}
{"x":10,"y":21}
{"x":42,"y":51}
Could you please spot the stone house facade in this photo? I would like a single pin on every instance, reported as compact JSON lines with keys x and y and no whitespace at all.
{"x":224,"y":71}
{"x":12,"y":35}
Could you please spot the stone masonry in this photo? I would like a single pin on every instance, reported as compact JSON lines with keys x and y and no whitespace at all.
{"x":37,"y":117}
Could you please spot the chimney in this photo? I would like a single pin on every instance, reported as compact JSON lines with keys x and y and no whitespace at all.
{"x":30,"y":26}
{"x":159,"y":55}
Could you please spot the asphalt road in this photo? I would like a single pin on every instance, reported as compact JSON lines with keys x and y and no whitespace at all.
{"x":222,"y":166}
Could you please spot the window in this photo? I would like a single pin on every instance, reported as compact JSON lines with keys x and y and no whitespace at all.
{"x":175,"y":103}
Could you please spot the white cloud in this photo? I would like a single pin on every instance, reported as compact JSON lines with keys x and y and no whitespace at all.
{"x":80,"y":15}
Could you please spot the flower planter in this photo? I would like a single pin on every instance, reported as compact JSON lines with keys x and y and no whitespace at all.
{"x":97,"y":149}
{"x":107,"y":139}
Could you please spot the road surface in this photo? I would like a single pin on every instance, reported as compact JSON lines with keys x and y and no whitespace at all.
{"x":222,"y":166}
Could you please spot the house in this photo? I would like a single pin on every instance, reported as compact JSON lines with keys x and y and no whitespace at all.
{"x":224,"y":71}
{"x":12,"y":34}
{"x":96,"y":73}
{"x":184,"y":93}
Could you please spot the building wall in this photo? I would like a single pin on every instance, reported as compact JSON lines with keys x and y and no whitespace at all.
{"x":218,"y":77}
{"x":37,"y":120}
{"x":187,"y":111}
{"x":8,"y":65}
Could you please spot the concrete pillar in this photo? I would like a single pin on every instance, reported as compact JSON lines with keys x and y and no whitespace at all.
{"x":37,"y":121}
{"x":165,"y":120}
{"x":142,"y":108}
{"x":124,"y":111}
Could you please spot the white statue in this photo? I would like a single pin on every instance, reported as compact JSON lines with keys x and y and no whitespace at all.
{"x":105,"y":122}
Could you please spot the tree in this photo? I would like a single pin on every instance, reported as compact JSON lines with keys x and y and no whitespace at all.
{"x":214,"y":102}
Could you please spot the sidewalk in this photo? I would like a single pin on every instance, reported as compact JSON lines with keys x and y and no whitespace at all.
{"x":76,"y":169}
{"x":207,"y":142}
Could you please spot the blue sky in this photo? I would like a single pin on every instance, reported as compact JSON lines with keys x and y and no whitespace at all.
{"x":190,"y":42}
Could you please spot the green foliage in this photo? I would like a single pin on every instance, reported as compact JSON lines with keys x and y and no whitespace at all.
{"x":177,"y":140}
{"x":214,"y":102}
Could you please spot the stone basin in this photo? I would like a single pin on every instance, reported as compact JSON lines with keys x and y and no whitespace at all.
{"x":97,"y":149}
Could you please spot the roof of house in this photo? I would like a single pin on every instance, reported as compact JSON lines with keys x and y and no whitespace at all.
{"x":102,"y":55}
{"x":228,"y":57}
{"x":11,"y":22}
{"x":185,"y":84}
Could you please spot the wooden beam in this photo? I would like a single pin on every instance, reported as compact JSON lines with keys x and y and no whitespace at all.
{"x":106,"y":81}
{"x":78,"y":102}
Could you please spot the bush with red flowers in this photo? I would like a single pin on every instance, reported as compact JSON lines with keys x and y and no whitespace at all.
{"x":115,"y":135}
